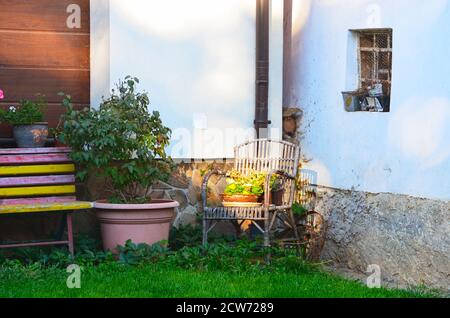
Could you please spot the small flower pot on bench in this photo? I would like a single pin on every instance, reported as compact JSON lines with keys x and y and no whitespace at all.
{"x":31,"y":136}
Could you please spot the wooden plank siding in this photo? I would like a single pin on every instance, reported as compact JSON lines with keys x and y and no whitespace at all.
{"x":69,"y":50}
{"x":20,"y":83}
{"x":40,"y":54}
{"x":41,"y":15}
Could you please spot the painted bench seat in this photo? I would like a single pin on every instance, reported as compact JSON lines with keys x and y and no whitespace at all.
{"x":48,"y":207}
{"x":34,"y":180}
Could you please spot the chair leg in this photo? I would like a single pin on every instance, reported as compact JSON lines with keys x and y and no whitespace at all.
{"x":267,"y":238}
{"x":70,"y":234}
{"x":266,"y":233}
{"x":205,"y":233}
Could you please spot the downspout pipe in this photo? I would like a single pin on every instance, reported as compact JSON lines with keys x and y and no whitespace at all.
{"x":262,"y":121}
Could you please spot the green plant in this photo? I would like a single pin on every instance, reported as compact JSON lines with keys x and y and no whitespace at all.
{"x":27,"y":113}
{"x":250,"y":184}
{"x":299,"y":209}
{"x":121,"y":141}
{"x":191,"y":236}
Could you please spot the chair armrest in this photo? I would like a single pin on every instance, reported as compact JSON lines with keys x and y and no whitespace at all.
{"x":205,"y":184}
{"x":267,"y":183}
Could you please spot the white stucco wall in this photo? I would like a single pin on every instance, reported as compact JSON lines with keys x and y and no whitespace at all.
{"x":405,"y":151}
{"x":197,"y":61}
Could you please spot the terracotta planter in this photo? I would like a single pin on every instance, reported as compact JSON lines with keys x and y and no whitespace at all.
{"x":240,"y":198}
{"x":141,"y":223}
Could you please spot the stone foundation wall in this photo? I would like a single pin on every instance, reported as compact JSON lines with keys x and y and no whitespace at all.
{"x":409,"y":238}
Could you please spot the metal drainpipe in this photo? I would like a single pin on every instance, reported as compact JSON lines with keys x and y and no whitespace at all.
{"x":262,"y":68}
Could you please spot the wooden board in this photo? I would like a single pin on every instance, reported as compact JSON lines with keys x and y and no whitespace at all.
{"x":36,"y":169}
{"x":60,"y":50}
{"x":41,"y":15}
{"x":43,"y":200}
{"x":34,"y":159}
{"x":23,"y":151}
{"x":40,"y":180}
{"x":69,"y":206}
{"x":42,"y":190}
{"x":18,"y":84}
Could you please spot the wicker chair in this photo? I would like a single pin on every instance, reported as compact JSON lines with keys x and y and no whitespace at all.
{"x":262,"y":155}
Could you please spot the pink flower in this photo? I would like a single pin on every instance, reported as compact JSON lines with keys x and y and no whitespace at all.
{"x":1,"y":94}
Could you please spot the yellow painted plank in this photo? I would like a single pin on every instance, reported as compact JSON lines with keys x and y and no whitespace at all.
{"x":49,"y":207}
{"x":28,"y":191}
{"x":36,"y":169}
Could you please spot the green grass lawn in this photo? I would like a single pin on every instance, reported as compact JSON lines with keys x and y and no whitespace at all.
{"x":154,"y":280}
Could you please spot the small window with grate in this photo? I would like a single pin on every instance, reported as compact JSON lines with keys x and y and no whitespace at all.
{"x":374,"y":54}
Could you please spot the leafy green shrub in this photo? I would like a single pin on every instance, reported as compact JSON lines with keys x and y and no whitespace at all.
{"x":133,"y":254}
{"x":243,"y":256}
{"x":185,"y":235}
{"x":27,"y":113}
{"x":121,"y":141}
{"x":191,"y":236}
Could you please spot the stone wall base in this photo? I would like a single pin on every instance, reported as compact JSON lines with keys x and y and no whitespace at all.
{"x":407,"y":237}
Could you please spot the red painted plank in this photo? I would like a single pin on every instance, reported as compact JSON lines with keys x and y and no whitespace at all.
{"x":41,"y":180}
{"x":29,"y":151}
{"x":44,"y":200}
{"x":43,"y":158}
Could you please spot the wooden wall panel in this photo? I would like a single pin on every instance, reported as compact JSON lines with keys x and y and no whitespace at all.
{"x":18,"y":48}
{"x":40,"y":54}
{"x":41,"y":15}
{"x":26,"y":83}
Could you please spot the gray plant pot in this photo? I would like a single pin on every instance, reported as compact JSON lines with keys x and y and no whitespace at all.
{"x":31,"y":136}
{"x":352,"y":101}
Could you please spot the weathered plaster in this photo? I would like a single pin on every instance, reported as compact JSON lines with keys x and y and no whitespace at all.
{"x":406,"y":151}
{"x":406,"y":236}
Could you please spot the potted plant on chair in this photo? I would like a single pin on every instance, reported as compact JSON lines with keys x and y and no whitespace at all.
{"x":247,"y":190}
{"x":29,"y":129}
{"x":124,"y":143}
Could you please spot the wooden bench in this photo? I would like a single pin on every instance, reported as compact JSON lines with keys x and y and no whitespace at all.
{"x":36,"y":180}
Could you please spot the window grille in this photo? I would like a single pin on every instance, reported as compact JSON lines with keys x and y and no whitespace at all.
{"x":375,"y":59}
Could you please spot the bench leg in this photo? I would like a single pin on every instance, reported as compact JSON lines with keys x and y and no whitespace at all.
{"x":70,"y":233}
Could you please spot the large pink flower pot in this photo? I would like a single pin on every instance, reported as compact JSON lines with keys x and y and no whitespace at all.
{"x":141,"y":223}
